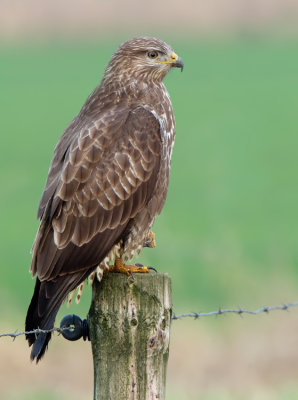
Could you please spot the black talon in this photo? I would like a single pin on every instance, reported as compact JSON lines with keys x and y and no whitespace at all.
{"x":139,"y":265}
{"x":131,"y":276}
{"x":153,"y":269}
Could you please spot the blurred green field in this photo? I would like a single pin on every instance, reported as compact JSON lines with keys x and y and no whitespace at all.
{"x":228,"y":233}
{"x":229,"y":226}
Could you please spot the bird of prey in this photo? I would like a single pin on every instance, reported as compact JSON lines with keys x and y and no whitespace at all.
{"x":107,"y":181}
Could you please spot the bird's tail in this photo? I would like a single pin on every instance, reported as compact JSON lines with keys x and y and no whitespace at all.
{"x":45,"y":303}
{"x":40,"y":316}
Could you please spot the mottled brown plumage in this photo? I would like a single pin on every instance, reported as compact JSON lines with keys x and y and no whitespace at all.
{"x":108,"y":179}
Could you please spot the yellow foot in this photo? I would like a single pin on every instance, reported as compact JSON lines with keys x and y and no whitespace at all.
{"x":150,"y":241}
{"x":129,"y":270}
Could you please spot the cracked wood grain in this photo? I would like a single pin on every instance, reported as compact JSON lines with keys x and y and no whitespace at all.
{"x":129,"y":322}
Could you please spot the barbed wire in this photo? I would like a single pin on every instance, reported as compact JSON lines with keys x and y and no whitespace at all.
{"x":195,"y":315}
{"x":239,"y":311}
{"x":35,"y":332}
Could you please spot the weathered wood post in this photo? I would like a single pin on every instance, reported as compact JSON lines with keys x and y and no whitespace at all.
{"x":129,"y":323}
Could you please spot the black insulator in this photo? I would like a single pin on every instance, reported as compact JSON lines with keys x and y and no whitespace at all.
{"x":77,"y":327}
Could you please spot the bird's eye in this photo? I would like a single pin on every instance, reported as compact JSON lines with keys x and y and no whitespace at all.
{"x":152,"y":54}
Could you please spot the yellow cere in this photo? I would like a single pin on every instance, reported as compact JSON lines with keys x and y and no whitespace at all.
{"x":174,"y":56}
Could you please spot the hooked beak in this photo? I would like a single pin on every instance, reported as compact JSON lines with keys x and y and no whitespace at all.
{"x":178,"y":63}
{"x":174,"y":61}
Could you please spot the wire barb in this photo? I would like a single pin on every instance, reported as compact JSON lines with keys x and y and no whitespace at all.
{"x":35,"y":332}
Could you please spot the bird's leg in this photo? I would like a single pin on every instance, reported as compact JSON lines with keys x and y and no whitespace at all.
{"x":150,"y":241}
{"x":121,"y":268}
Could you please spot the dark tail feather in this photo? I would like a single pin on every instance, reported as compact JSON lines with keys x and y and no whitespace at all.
{"x":46,"y":301}
{"x":34,"y":321}
{"x":41,"y":343}
{"x":32,"y":310}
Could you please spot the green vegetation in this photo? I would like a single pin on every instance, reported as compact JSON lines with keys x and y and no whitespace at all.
{"x":229,"y":227}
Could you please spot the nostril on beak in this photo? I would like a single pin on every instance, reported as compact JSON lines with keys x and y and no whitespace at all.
{"x":174,"y":56}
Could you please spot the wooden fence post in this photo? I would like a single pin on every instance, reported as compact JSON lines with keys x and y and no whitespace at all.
{"x":129,"y":324}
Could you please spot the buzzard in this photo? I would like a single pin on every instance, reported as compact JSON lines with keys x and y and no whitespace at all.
{"x":107,"y":181}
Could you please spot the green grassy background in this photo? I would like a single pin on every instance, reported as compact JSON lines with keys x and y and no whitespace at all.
{"x":228,"y":232}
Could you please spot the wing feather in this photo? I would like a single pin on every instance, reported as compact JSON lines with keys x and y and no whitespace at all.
{"x":107,"y":175}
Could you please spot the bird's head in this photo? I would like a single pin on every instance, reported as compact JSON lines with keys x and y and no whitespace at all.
{"x":143,"y":58}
